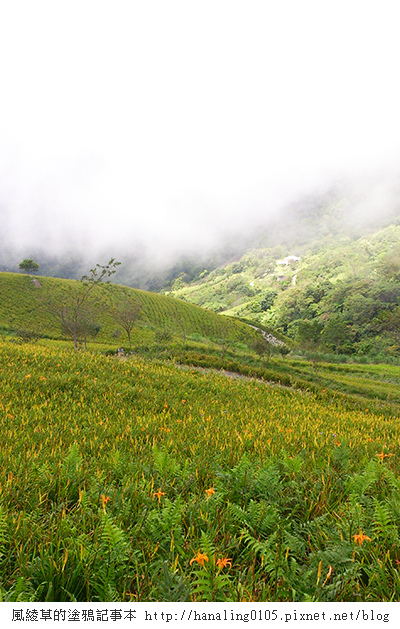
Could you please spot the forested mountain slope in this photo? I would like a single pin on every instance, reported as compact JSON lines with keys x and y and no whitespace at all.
{"x":339,"y":292}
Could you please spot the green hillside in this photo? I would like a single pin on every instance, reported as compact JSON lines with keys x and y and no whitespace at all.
{"x":30,"y":307}
{"x":338,"y":293}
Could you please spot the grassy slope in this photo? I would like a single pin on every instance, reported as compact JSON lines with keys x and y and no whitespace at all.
{"x":25,"y":306}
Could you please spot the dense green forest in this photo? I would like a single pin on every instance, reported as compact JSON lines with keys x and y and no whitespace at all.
{"x":337,"y":294}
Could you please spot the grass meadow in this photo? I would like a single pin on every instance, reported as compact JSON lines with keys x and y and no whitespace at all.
{"x":142,"y":480}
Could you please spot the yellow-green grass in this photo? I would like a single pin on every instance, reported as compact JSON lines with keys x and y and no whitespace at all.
{"x":115,"y":474}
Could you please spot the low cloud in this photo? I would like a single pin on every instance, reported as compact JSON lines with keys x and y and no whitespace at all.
{"x":165,"y":128}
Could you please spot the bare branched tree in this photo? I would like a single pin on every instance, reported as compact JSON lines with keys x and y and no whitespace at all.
{"x":126,"y":314}
{"x":73,"y":310}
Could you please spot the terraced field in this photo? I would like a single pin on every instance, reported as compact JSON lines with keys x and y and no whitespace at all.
{"x":34,"y":308}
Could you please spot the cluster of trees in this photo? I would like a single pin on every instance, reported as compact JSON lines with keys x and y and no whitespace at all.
{"x":360,"y":316}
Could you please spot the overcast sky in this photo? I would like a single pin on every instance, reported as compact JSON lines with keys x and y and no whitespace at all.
{"x":173,"y":120}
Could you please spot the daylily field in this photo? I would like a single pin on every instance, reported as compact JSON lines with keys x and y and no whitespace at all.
{"x":126,"y":479}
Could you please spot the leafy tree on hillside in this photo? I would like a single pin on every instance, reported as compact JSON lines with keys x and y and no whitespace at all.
{"x":336,"y":334}
{"x":389,"y":266}
{"x":263,"y":348}
{"x":308,"y":333}
{"x":29,"y":266}
{"x":389,"y":323}
{"x":267,"y":300}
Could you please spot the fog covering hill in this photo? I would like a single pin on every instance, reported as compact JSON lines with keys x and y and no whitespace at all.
{"x":342,"y":209}
{"x":339,"y":292}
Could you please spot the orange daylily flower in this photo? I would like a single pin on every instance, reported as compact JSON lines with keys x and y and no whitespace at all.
{"x":159,"y":494}
{"x":360,"y":538}
{"x":210,"y":491}
{"x":382,"y":456}
{"x":223,"y":562}
{"x":200,"y":558}
{"x":104,"y":499}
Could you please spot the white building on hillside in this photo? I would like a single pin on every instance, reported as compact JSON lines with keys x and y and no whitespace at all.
{"x":288,"y":260}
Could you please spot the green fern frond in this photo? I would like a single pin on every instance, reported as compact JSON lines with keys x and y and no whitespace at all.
{"x":256,"y":547}
{"x":202,"y":586}
{"x":260,"y":517}
{"x":207,"y":545}
{"x":294,"y":543}
{"x":160,"y":523}
{"x":382,"y":515}
{"x":173,"y":587}
{"x":72,"y":462}
{"x":165,"y":464}
{"x":385,"y":524}
{"x":111,"y":535}
{"x":237,"y":513}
